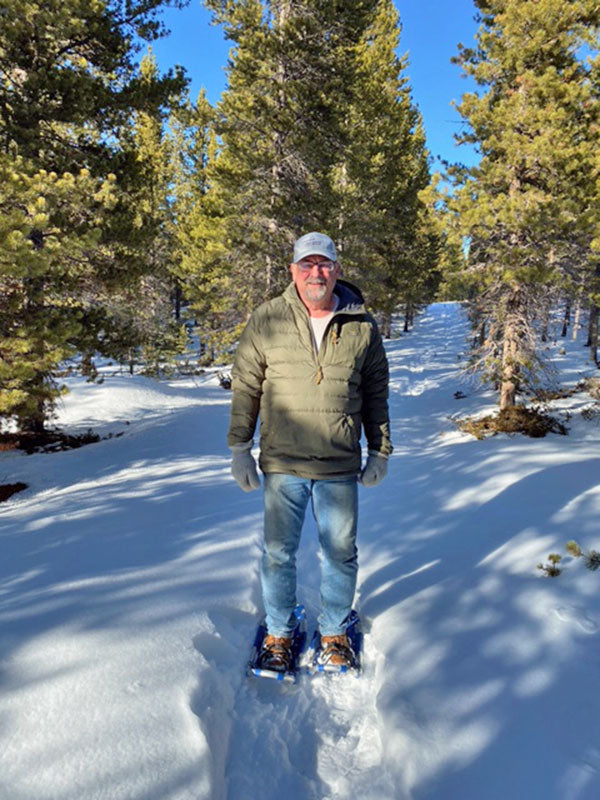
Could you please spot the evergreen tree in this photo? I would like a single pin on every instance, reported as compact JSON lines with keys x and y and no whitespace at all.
{"x":383,"y":225}
{"x":194,"y":147}
{"x":69,"y":85}
{"x":454,"y":281}
{"x":281,"y":130}
{"x":143,"y":308}
{"x":50,"y":225}
{"x":535,"y":126}
{"x":70,"y":80}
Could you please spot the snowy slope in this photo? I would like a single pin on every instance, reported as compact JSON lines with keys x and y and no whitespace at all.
{"x":129,"y":593}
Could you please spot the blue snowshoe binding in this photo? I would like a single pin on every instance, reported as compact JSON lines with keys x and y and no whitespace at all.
{"x":320,"y":658}
{"x":266,"y":664}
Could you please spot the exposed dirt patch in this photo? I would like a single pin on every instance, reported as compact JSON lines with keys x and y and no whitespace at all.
{"x":519,"y":419}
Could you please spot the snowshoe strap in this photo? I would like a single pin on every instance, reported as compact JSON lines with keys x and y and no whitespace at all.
{"x":338,"y":651}
{"x":277,"y":653}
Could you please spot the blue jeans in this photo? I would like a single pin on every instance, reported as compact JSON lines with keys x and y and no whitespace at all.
{"x":335,"y":508}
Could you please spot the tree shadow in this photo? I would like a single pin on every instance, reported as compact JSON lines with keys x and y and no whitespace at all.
{"x":477,"y":655}
{"x":119,"y":552}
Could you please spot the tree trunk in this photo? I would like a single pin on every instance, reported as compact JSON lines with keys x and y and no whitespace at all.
{"x":546,"y":299}
{"x":577,"y":318}
{"x":407,"y":316}
{"x":268,"y":275}
{"x":545,"y":322}
{"x":482,"y":333}
{"x":342,"y":188}
{"x":34,"y":421}
{"x":386,"y":325}
{"x":511,"y":339}
{"x":34,"y":413}
{"x":177,"y":301}
{"x":593,"y":334}
{"x":280,"y":11}
{"x":478,"y":326}
{"x":567,"y":318}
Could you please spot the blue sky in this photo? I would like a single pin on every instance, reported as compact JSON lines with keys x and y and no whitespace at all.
{"x":431,"y":30}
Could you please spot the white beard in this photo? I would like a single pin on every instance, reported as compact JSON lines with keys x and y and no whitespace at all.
{"x":316,"y":291}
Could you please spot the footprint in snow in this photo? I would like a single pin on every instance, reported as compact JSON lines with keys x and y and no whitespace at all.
{"x":347,"y":726}
{"x":578,"y":616}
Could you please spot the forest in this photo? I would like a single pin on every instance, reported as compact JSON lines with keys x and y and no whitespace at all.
{"x":139,"y":223}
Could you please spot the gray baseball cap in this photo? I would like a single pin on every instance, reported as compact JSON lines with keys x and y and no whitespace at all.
{"x":314,"y":244}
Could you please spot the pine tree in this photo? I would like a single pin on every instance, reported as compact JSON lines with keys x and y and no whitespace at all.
{"x":535,"y":126}
{"x":69,"y":85}
{"x":50,"y":225}
{"x":70,"y":78}
{"x":194,"y":147}
{"x":384,"y":228}
{"x":316,"y":130}
{"x":454,"y":281}
{"x":144,"y":307}
{"x":281,"y":131}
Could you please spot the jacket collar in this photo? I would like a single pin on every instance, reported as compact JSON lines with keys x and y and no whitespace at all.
{"x":350,"y":298}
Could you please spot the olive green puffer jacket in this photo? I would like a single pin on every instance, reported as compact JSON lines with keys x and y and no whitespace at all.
{"x":311,"y":406}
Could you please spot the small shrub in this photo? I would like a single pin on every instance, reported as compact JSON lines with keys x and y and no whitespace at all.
{"x":573,"y":549}
{"x":591,"y":559}
{"x":552,"y":570}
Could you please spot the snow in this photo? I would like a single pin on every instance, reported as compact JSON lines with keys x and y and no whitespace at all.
{"x":129,"y":596}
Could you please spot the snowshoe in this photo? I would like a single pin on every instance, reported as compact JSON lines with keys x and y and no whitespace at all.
{"x":280,"y":663}
{"x":336,"y":655}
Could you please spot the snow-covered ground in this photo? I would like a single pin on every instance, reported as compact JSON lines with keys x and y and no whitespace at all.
{"x":129,"y":596}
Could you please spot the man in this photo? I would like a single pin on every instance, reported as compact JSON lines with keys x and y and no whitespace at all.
{"x":311,"y":363}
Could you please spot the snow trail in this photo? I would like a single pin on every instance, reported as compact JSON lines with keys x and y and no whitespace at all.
{"x":129,"y":588}
{"x":317,"y":739}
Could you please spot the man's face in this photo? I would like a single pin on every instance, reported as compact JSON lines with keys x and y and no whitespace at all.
{"x":315,"y":277}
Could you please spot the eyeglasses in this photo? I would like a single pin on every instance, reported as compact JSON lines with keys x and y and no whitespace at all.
{"x":307,"y":266}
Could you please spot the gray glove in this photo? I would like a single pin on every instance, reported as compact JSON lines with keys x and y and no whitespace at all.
{"x":375,"y":469}
{"x":243,"y":466}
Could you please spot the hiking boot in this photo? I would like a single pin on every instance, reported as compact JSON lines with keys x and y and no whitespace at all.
{"x":336,"y":651}
{"x":276,"y":653}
